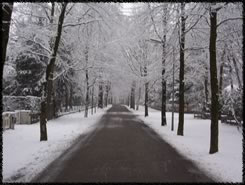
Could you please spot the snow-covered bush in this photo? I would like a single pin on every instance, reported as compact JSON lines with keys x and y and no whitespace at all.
{"x":12,"y":103}
{"x":232,"y":101}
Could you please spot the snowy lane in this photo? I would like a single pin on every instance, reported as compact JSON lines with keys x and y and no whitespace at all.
{"x":24,"y":156}
{"x":122,"y":149}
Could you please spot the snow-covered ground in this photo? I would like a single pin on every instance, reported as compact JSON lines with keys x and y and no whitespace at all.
{"x":224,"y":166}
{"x":24,"y":156}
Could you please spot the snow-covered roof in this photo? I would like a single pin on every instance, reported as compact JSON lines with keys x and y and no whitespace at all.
{"x":8,"y":112}
{"x":22,"y":110}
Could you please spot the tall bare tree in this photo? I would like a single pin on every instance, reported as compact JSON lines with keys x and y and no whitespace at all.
{"x":214,"y":82}
{"x":48,"y":84}
{"x":181,"y":73}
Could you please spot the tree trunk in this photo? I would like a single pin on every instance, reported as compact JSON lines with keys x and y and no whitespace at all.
{"x":132,"y":102}
{"x":146,"y":93}
{"x":173,"y":95}
{"x":71,"y":97}
{"x":87,"y":95}
{"x":106,"y":94}
{"x":231,"y":80}
{"x":95,"y":105}
{"x":51,"y":65}
{"x":92,"y":100}
{"x":146,"y":99}
{"x":86,"y":52}
{"x":214,"y":84}
{"x":138,"y":101}
{"x":163,"y":110}
{"x":43,"y":119}
{"x":100,"y":98}
{"x":6,"y":12}
{"x":131,"y":98}
{"x":51,"y":106}
{"x":181,"y":74}
{"x":48,"y":86}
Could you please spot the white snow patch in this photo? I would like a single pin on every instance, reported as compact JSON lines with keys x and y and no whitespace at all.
{"x":224,"y":166}
{"x":24,"y":156}
{"x":228,"y":88}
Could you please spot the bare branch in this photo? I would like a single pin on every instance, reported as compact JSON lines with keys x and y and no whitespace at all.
{"x":229,"y":19}
{"x":81,"y":23}
{"x":193,"y":25}
{"x":68,"y":11}
{"x":156,"y":41}
{"x":154,"y":26}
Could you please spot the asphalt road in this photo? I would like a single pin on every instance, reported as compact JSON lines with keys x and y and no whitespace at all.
{"x":121,"y":149}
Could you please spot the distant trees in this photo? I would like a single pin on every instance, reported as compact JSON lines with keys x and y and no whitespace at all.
{"x":137,"y":58}
{"x":200,"y":39}
{"x":90,"y":54}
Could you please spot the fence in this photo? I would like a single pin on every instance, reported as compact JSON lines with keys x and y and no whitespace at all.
{"x":9,"y":119}
{"x":64,"y":111}
{"x":229,"y":119}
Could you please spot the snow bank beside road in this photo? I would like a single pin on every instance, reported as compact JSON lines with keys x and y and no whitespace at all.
{"x":24,"y":156}
{"x":225,"y":166}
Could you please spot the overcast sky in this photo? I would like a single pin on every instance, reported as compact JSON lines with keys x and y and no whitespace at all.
{"x":127,"y":8}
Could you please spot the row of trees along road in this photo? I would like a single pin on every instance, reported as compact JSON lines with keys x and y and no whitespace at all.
{"x":201,"y":32}
{"x":93,"y":54}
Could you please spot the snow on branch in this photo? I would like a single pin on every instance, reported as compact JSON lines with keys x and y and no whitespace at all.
{"x":154,"y":25}
{"x":191,"y":27}
{"x":229,"y":19}
{"x":81,"y":23}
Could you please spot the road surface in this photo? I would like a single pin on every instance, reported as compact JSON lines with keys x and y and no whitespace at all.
{"x":121,"y":149}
